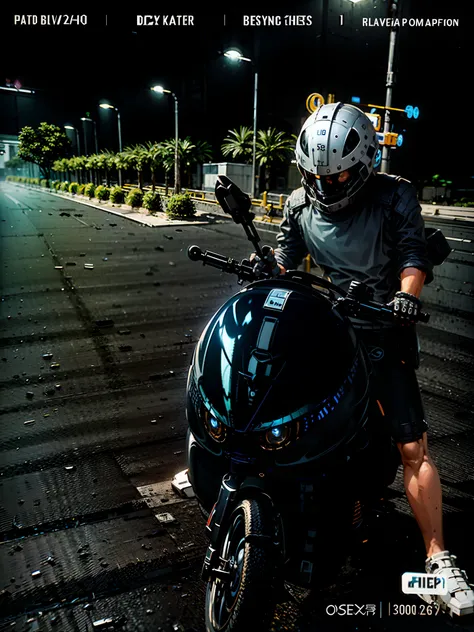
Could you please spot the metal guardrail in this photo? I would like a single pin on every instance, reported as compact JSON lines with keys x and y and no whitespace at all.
{"x":272,"y":204}
{"x":208,"y":196}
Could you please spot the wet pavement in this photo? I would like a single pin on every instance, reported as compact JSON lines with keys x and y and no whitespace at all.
{"x":99,"y":317}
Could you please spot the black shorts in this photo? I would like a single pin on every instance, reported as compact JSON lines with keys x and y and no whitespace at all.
{"x":394,"y":357}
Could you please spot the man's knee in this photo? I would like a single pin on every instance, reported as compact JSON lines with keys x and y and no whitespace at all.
{"x":414,"y":453}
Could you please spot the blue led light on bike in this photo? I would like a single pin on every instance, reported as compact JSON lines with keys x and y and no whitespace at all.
{"x":214,"y":427}
{"x":276,"y":437}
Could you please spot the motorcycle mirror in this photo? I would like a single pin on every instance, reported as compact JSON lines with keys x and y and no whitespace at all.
{"x":233,"y":200}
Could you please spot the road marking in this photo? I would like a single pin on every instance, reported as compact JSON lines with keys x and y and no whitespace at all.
{"x":13,"y":199}
{"x":464,"y":241}
{"x":80,"y":220}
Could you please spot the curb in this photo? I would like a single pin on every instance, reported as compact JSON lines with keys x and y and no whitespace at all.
{"x":165,"y":223}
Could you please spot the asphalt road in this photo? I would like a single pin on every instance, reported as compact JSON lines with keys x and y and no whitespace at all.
{"x":99,"y":316}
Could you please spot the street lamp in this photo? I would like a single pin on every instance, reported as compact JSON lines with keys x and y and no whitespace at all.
{"x":384,"y":167}
{"x":390,"y":80}
{"x":107,"y":106}
{"x":235,"y":55}
{"x":85,"y":118}
{"x":162,"y":90}
{"x":77,"y":136}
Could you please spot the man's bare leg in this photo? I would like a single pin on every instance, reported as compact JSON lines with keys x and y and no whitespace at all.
{"x":423,"y":490}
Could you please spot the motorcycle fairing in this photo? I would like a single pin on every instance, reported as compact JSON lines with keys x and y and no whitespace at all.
{"x":244,"y":364}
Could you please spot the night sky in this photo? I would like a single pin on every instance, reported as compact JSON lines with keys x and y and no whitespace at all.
{"x":72,"y":69}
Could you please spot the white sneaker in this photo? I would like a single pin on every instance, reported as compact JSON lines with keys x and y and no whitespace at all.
{"x":459,"y":599}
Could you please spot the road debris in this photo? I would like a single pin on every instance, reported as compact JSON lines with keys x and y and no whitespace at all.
{"x":105,"y":322}
{"x":165,"y":518}
{"x":102,"y":623}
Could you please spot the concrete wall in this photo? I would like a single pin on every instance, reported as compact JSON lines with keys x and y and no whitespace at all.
{"x":450,"y":296}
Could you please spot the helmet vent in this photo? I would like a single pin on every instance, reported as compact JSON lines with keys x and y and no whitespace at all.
{"x":304,"y":143}
{"x":352,"y":140}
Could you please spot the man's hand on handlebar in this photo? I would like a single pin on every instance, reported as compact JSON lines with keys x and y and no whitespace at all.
{"x":406,"y":308}
{"x":267,"y":263}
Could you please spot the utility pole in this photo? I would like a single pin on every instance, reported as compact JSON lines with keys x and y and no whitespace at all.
{"x":394,"y":12}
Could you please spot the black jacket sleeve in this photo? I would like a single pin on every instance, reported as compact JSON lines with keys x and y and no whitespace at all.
{"x":409,"y":232}
{"x":291,"y":246}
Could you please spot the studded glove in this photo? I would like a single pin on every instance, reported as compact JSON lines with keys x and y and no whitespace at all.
{"x":267,"y":263}
{"x":406,"y":308}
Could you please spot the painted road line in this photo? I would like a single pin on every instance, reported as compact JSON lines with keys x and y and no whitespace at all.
{"x":80,"y":220}
{"x":12,"y":199}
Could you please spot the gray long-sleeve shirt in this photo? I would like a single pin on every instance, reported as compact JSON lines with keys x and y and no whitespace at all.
{"x":372,"y":242}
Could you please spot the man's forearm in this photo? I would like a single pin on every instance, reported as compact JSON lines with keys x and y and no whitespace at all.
{"x":412,"y":281}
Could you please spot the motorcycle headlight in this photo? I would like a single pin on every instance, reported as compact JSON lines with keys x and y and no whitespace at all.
{"x":214,"y":427}
{"x":276,"y":437}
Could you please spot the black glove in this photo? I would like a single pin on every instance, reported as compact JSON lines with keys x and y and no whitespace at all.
{"x":267,"y":263}
{"x":406,"y":308}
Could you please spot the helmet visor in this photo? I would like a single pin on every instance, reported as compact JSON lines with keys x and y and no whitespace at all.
{"x":331,"y":185}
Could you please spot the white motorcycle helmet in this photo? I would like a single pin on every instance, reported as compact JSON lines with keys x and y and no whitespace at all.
{"x":336,"y":139}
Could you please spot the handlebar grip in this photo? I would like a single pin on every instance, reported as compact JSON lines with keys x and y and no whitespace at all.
{"x":424,"y":317}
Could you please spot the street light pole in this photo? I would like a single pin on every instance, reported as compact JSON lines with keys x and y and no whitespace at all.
{"x":235,"y":55}
{"x":85,"y":118}
{"x":385,"y":164}
{"x":254,"y":143}
{"x":77,"y":137}
{"x":85,"y":136}
{"x":177,"y":183}
{"x":107,"y":106}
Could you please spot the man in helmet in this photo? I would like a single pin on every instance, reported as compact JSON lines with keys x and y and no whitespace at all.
{"x":360,"y":225}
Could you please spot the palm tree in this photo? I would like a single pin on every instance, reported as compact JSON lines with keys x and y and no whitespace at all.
{"x":104,"y":164}
{"x":80,"y":165}
{"x":203,"y":152}
{"x":238,"y":143}
{"x":93,"y":163}
{"x":123,"y":161}
{"x":192,"y":154}
{"x":169,"y":158}
{"x":61,"y":166}
{"x":155,"y":160}
{"x":138,"y":158}
{"x":272,"y":146}
{"x":189,"y":154}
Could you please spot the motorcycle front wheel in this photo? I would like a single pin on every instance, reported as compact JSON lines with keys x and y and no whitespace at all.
{"x":245,"y":599}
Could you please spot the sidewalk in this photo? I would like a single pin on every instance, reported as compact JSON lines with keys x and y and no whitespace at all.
{"x":141,"y":215}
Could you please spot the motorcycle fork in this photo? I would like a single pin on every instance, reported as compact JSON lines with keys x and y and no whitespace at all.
{"x":219,"y":516}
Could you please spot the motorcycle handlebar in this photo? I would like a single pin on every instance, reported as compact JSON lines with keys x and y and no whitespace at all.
{"x":244,"y":271}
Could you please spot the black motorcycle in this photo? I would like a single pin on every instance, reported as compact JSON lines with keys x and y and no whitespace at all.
{"x":284,"y":432}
